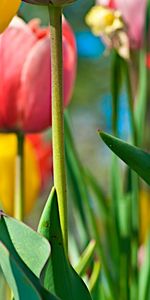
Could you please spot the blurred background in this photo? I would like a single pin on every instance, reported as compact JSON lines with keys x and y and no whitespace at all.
{"x":90,"y":107}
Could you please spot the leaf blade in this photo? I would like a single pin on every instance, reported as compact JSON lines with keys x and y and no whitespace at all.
{"x":134,"y":157}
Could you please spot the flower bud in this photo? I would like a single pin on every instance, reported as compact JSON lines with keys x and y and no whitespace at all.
{"x":52,"y":2}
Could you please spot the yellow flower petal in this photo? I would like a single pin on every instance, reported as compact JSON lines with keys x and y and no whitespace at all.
{"x":103,"y":20}
{"x":32,"y":181}
{"x":8,"y":9}
{"x":144,"y":214}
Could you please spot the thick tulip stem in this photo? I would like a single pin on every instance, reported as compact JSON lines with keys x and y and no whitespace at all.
{"x":19,"y":183}
{"x":57,"y":117}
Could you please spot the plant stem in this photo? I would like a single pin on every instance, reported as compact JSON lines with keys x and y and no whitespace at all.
{"x":19,"y":184}
{"x":57,"y":117}
{"x":130,"y":104}
{"x":135,"y":194}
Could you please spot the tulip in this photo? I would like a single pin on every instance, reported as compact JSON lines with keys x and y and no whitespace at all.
{"x":37,"y":159}
{"x":144,"y":214}
{"x":7,"y":10}
{"x":25,"y":85}
{"x":133,"y":13}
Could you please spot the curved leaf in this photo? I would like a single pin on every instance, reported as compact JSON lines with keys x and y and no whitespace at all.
{"x":26,"y":242}
{"x":59,"y":278}
{"x":134,"y":157}
{"x":86,"y":258}
{"x":20,"y":278}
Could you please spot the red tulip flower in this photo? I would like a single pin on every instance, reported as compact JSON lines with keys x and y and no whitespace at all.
{"x":25,"y":75}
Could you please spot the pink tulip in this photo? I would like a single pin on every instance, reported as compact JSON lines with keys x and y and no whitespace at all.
{"x":108,"y":3}
{"x":25,"y":77}
{"x":133,"y":12}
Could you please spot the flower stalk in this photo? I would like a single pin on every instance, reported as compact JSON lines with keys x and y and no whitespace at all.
{"x":19,"y":183}
{"x":57,"y":117}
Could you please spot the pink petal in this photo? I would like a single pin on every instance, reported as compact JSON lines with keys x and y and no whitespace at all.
{"x":15,"y":43}
{"x":133,"y":12}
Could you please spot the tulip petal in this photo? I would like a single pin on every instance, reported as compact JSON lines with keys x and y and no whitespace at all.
{"x":35,"y":92}
{"x":32,"y":179}
{"x":34,"y":95}
{"x":11,"y":64}
{"x":7,"y":10}
{"x":25,"y":86}
{"x":134,"y":14}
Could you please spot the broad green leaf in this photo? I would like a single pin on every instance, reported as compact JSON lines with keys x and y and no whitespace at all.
{"x":4,"y":289}
{"x":10,"y":262}
{"x":17,"y":280}
{"x":85,"y":258}
{"x":134,"y":157}
{"x":26,"y":242}
{"x":22,"y":286}
{"x":59,"y":277}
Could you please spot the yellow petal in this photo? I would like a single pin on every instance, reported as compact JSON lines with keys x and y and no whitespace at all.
{"x":32,"y":181}
{"x":8,"y":9}
{"x":103,"y":20}
{"x":144,"y":214}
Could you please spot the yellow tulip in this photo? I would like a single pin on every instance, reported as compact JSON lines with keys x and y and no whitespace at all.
{"x":8,"y":9}
{"x":144,"y":214}
{"x":32,"y":179}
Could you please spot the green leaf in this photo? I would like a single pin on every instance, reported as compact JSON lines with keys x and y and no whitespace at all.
{"x":99,"y":198}
{"x":19,"y":282}
{"x":75,"y":172}
{"x":85,"y":258}
{"x":4,"y":289}
{"x":59,"y":277}
{"x":95,"y":275}
{"x":22,"y":285}
{"x":134,"y":157}
{"x":144,"y":286}
{"x":116,"y":84}
{"x":82,"y":186}
{"x":26,"y":242}
{"x":20,"y":278}
{"x":141,"y":99}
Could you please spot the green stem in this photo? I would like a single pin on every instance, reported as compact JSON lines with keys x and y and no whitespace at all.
{"x":141,"y":103}
{"x":57,"y":117}
{"x":135,"y":193}
{"x":131,"y":104}
{"x":19,"y":186}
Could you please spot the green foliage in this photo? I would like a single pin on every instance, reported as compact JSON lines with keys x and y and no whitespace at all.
{"x":59,"y":276}
{"x":134,"y":157}
{"x":144,"y":286}
{"x":85,"y":258}
{"x":23,"y":282}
